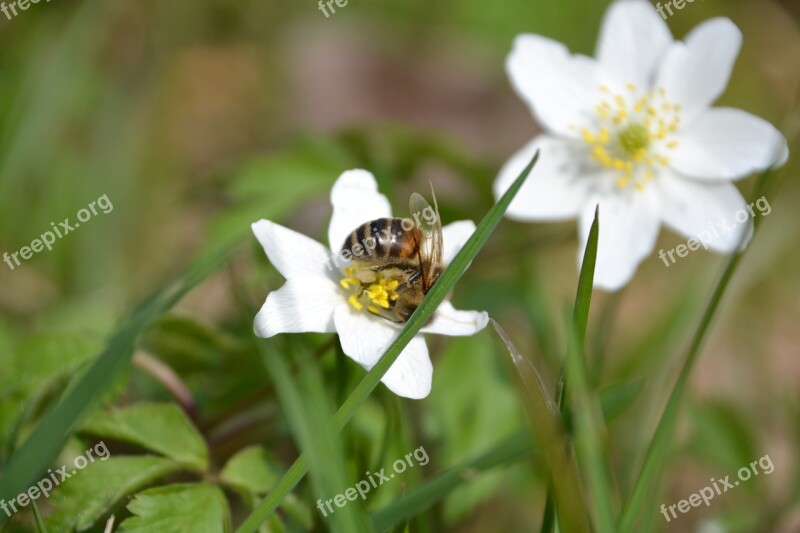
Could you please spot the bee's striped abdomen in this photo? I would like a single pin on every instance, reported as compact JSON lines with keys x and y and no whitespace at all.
{"x":383,"y":238}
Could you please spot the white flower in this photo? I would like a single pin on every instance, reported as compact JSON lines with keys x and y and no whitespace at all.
{"x":317,"y":298}
{"x":633,"y":130}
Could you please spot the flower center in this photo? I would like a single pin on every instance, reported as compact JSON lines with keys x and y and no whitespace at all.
{"x":374,"y":294}
{"x":632,"y":133}
{"x":634,"y":139}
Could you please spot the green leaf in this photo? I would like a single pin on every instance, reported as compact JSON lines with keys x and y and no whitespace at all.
{"x":92,"y":492}
{"x":45,"y":441}
{"x":38,"y":367}
{"x":162,"y":428}
{"x":433,"y":490}
{"x":418,"y":319}
{"x":252,"y":469}
{"x":185,"y":508}
{"x":658,"y":451}
{"x":47,"y":357}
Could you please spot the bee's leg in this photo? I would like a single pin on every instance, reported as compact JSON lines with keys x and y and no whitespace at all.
{"x":412,"y":278}
{"x":390,"y":316}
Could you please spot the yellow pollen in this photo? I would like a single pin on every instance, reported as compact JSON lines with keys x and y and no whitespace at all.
{"x":631,"y":87}
{"x":353,"y":300}
{"x":378,"y":294}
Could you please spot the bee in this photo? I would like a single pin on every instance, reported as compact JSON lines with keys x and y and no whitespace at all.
{"x":400,"y":260}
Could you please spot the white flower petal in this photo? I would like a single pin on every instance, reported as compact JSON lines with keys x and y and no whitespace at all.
{"x":411,"y":374}
{"x":725,"y":144}
{"x":706,"y":211}
{"x":454,"y":236}
{"x":557,"y":187}
{"x":629,"y":224}
{"x":293,"y":254}
{"x":633,"y":38}
{"x":355,"y":199}
{"x":695,"y":73}
{"x":561,"y":90}
{"x":300,"y":305}
{"x":365,"y":338}
{"x":450,"y":321}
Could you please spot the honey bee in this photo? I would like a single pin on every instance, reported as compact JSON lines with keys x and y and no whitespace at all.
{"x":399,"y":261}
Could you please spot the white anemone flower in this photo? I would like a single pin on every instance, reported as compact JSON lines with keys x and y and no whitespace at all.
{"x":319,"y":296}
{"x":633,"y":130}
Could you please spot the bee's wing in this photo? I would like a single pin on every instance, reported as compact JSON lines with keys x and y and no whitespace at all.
{"x":431,"y":231}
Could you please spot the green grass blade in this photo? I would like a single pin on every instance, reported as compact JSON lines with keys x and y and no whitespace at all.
{"x":439,"y":486}
{"x":34,"y":456}
{"x":552,"y":439}
{"x":654,"y":461}
{"x":589,"y":426}
{"x":583,"y":296}
{"x":309,"y":413}
{"x":423,"y":313}
{"x":37,"y":515}
{"x":580,"y":316}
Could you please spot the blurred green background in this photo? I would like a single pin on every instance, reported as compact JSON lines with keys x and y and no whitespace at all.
{"x":197,"y":118}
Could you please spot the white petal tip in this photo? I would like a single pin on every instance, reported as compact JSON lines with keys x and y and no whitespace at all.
{"x":356,"y":178}
{"x":261,"y":228}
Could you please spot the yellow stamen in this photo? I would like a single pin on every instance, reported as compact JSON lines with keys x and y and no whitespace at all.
{"x":353,"y":300}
